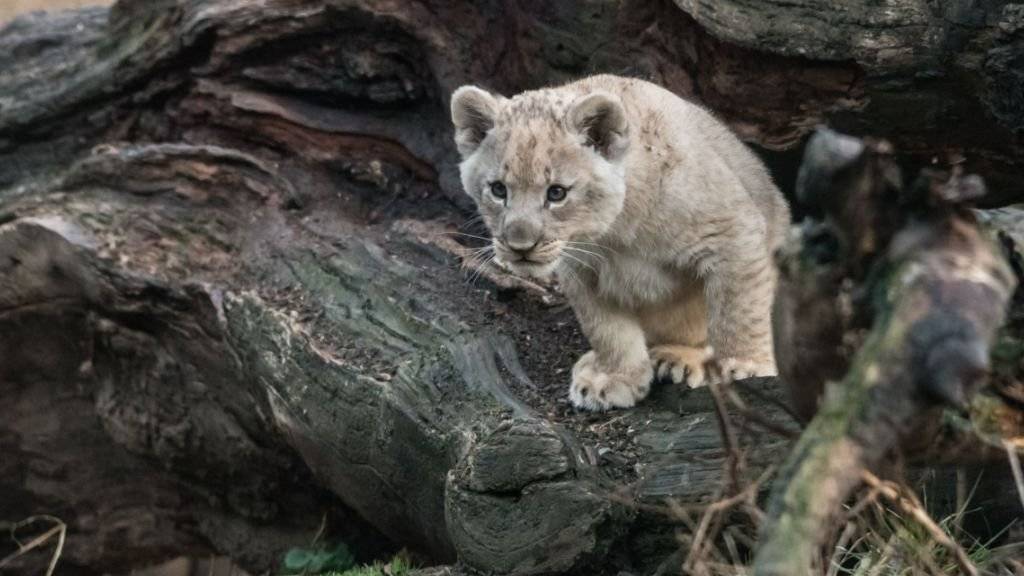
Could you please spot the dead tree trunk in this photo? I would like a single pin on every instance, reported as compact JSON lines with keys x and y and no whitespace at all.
{"x":911,"y":293}
{"x":230,"y":303}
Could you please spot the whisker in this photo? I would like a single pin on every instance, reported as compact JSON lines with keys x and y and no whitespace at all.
{"x":478,"y":265}
{"x":471,"y":273}
{"x":594,"y":244}
{"x":481,"y":249}
{"x":480,"y":269}
{"x":474,"y":258}
{"x":473,"y":220}
{"x":582,"y":251}
{"x":467,"y":250}
{"x":474,"y":236}
{"x":578,"y":260}
{"x":583,"y":254}
{"x":590,"y":246}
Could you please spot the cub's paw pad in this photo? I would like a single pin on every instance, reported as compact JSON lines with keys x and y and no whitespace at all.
{"x":680,"y":364}
{"x":731,"y":369}
{"x":594,"y":389}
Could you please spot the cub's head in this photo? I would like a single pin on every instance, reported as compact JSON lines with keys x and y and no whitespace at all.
{"x":545,"y":170}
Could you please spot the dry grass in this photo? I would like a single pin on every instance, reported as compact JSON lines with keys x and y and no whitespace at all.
{"x":11,"y":8}
{"x":885,"y":531}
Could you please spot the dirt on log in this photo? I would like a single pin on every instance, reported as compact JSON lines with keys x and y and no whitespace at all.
{"x":231,"y":302}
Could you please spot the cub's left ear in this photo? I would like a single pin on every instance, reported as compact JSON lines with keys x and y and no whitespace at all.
{"x":600,"y":118}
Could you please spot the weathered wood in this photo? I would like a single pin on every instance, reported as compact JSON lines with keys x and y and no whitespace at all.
{"x":225,"y":260}
{"x":216,"y":393}
{"x":922,"y":72}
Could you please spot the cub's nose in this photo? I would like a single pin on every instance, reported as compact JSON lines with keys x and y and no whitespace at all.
{"x":521,"y":247}
{"x":521,"y":234}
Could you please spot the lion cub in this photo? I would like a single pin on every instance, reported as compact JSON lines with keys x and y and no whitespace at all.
{"x":658,"y":222}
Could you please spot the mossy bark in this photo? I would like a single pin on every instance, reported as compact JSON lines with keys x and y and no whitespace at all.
{"x":924,"y":298}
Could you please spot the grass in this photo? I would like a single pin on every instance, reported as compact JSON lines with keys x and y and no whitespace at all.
{"x":398,"y":566}
{"x":885,"y":531}
{"x":874,"y":539}
{"x":891,"y":545}
{"x":883,"y":541}
{"x":321,"y":559}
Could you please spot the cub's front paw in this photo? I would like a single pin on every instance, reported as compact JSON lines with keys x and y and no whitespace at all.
{"x":729,"y":369}
{"x":680,"y":364}
{"x":595,"y":389}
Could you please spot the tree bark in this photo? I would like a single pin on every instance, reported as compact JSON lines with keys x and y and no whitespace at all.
{"x":227,"y":274}
{"x":915,"y":301}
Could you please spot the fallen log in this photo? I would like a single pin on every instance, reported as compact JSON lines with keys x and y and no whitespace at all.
{"x":230,"y":273}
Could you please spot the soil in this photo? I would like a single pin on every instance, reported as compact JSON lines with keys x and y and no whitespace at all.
{"x":547,"y":356}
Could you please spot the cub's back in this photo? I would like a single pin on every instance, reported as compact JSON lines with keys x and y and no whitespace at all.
{"x":664,"y":115}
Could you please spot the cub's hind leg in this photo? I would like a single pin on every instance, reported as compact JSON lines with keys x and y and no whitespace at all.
{"x":740,"y":288}
{"x":677,"y":332}
{"x":680,"y":364}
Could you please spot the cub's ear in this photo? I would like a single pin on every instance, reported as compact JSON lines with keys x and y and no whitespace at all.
{"x":473,"y":114}
{"x":600,"y":118}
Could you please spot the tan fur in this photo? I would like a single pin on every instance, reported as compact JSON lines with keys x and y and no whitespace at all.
{"x":663,"y":242}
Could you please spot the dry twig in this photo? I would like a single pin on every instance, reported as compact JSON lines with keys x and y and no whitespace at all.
{"x":734,"y":460}
{"x":59,"y":529}
{"x":1018,"y":476}
{"x":711,"y":521}
{"x":748,"y":415}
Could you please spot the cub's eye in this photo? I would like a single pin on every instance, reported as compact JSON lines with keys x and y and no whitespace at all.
{"x":556,"y":193}
{"x":499,"y":190}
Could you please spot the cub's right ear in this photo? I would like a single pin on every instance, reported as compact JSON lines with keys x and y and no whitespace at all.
{"x":473,"y":114}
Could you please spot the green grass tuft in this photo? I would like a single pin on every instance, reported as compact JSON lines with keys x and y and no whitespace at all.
{"x":398,"y":566}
